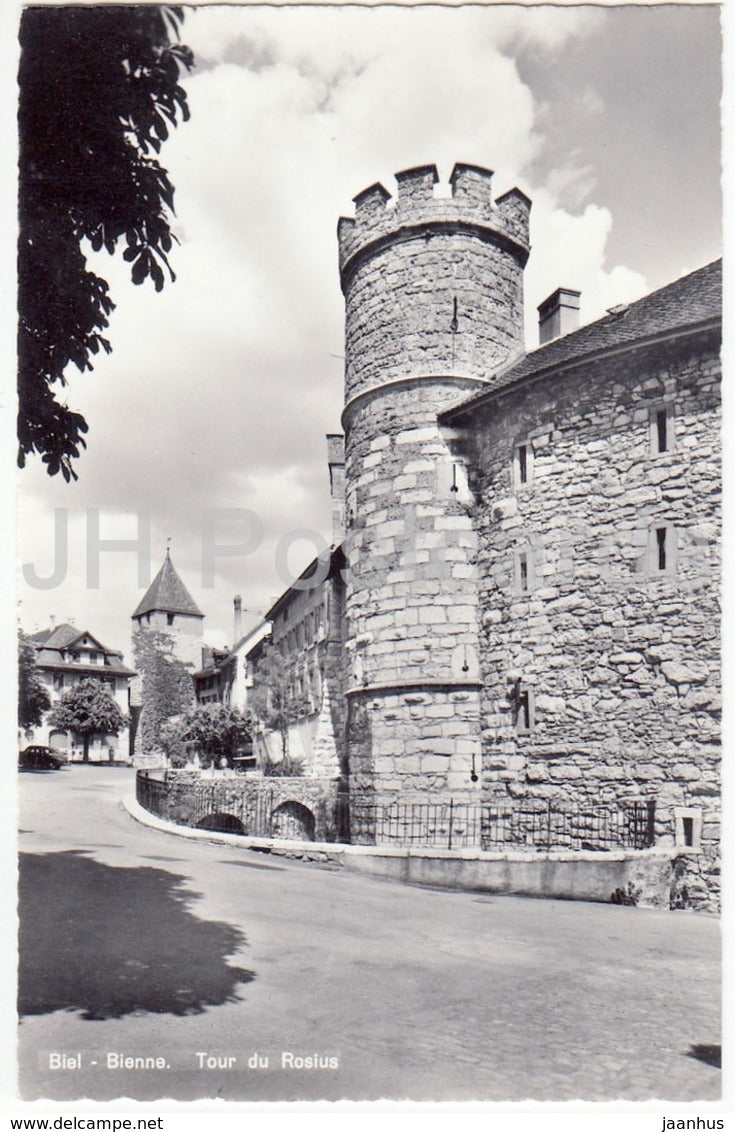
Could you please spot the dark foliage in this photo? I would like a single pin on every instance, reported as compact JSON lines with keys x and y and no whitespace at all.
{"x":33,"y":698}
{"x":87,"y":709}
{"x":99,"y":92}
{"x":166,"y":684}
{"x":215,"y":731}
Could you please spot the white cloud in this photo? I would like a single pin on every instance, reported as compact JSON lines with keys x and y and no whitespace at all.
{"x":569,"y":251}
{"x":220,"y":389}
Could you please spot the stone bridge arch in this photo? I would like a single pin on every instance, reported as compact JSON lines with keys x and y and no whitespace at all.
{"x":221,"y":822}
{"x":294,"y":821}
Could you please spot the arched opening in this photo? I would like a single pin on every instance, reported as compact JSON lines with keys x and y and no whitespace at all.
{"x":221,"y":823}
{"x":294,"y":821}
{"x":58,"y":741}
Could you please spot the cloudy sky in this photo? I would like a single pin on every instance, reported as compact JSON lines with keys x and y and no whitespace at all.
{"x":220,"y":390}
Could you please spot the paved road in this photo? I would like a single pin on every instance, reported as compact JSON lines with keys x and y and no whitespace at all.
{"x":137,"y":943}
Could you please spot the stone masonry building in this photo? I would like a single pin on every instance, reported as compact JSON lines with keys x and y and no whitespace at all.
{"x":532,"y":601}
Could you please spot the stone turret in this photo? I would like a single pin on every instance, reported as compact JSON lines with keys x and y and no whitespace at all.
{"x":433,"y":292}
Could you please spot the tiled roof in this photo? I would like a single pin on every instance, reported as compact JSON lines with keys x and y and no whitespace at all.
{"x":694,"y":300}
{"x":53,"y":661}
{"x":167,"y":594}
{"x":60,"y":637}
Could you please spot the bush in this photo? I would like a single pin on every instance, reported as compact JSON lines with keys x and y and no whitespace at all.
{"x":286,"y":767}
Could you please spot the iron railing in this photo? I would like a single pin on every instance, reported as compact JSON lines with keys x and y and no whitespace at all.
{"x":434,"y":825}
{"x":554,"y":825}
{"x":518,"y":824}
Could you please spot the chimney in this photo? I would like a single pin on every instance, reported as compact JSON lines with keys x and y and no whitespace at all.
{"x":558,"y":314}
{"x":237,"y":630}
{"x":336,"y":459}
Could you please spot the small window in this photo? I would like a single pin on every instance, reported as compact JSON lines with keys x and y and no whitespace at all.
{"x":523,"y":464}
{"x":688,"y":828}
{"x":662,"y":549}
{"x":524,"y":573}
{"x":170,"y":618}
{"x":661,"y":429}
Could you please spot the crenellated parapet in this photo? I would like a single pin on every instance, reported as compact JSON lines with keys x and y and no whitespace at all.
{"x":417,"y":212}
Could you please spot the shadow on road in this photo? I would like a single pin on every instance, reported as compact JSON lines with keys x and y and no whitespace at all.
{"x":112,"y":941}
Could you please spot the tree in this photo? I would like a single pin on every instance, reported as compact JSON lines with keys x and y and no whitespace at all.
{"x":217,"y":731}
{"x":87,"y":709}
{"x":273,"y":699}
{"x":99,"y":90}
{"x":33,"y":697}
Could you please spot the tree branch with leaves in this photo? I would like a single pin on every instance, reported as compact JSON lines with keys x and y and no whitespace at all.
{"x":99,"y":92}
{"x":33,"y":696}
{"x":215,"y":730}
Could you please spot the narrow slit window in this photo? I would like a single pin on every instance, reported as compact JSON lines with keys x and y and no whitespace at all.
{"x":687,"y":824}
{"x":524,"y":569}
{"x":523,"y":710}
{"x":522,"y":463}
{"x":661,"y":547}
{"x":661,"y":421}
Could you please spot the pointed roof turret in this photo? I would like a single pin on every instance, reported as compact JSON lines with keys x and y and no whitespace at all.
{"x":168,"y":594}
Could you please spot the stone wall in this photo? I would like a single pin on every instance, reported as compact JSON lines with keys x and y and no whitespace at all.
{"x":264,"y":806}
{"x":618,"y":657}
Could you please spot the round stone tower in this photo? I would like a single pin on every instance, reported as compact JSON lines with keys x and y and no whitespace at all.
{"x":433,"y":290}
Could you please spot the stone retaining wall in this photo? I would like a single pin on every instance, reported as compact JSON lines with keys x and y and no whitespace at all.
{"x":282,"y":806}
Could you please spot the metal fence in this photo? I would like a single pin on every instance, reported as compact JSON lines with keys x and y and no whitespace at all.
{"x":150,"y":793}
{"x":518,"y":824}
{"x":555,"y":825}
{"x":523,"y":824}
{"x":447,"y":825}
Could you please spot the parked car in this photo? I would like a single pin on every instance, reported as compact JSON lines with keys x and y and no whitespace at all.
{"x":40,"y":758}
